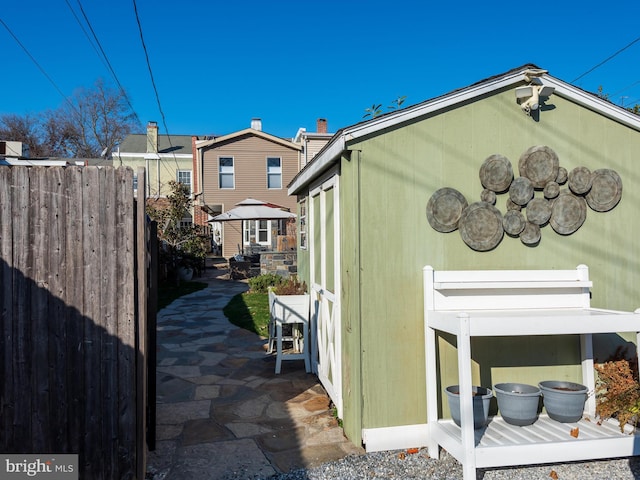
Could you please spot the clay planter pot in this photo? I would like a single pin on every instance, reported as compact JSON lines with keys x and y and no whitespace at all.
{"x":481,"y":400}
{"x":564,"y":401}
{"x":518,"y":403}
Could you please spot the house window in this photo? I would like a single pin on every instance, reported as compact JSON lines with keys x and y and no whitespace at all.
{"x":274,"y":172}
{"x":226,"y":172}
{"x":258,"y":232}
{"x":184,"y":177}
{"x":303,"y":223}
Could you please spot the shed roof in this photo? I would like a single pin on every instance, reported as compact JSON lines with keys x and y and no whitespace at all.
{"x":332,"y":152}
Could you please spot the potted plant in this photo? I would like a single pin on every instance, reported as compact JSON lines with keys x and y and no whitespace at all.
{"x":481,"y":400}
{"x":564,"y":401}
{"x":518,"y":403}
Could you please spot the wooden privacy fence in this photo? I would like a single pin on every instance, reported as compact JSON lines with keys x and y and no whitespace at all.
{"x":73,"y":309}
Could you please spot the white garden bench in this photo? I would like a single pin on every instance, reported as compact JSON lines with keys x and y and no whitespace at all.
{"x":494,"y":303}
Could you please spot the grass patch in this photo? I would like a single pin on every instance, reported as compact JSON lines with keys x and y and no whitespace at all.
{"x":168,"y":293}
{"x":249,"y":311}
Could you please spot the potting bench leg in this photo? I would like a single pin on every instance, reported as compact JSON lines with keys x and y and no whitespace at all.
{"x":466,"y":399}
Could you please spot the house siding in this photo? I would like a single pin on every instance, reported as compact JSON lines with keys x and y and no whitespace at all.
{"x":389,"y":180}
{"x":250,"y":154}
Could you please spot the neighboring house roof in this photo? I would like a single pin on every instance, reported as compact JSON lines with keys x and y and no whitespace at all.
{"x":247,"y":132}
{"x":137,"y":143}
{"x":332,"y":152}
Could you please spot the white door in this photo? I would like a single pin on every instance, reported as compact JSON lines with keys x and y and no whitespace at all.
{"x":324,"y":253}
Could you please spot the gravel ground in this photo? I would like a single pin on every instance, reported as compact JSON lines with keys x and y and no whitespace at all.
{"x":400,"y":465}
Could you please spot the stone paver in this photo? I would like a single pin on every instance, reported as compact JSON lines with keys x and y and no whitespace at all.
{"x":222,"y":413}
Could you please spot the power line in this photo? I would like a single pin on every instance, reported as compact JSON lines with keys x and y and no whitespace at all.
{"x":153,"y":82}
{"x":106,"y":58}
{"x":605,"y":60}
{"x":42,"y":70}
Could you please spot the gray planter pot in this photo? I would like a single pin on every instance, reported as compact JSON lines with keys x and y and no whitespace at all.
{"x":564,"y":401}
{"x":518,"y":403}
{"x":481,"y":400}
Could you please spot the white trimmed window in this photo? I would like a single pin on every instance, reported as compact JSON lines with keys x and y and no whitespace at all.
{"x":303,"y":223}
{"x":274,"y":172}
{"x":227,"y":177}
{"x":184,"y":177}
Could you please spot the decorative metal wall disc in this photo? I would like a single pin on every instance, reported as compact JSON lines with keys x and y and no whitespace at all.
{"x":540,"y":165}
{"x":538,"y":211}
{"x":580,"y":180}
{"x":551,"y":190}
{"x":496,"y":173}
{"x":531,"y":234}
{"x":488,"y":196}
{"x":606,"y":190}
{"x":444,"y":209}
{"x":481,"y":226}
{"x":513,"y":223}
{"x":513,"y":206}
{"x":521,"y":191}
{"x":568,"y":213}
{"x":562,"y":176}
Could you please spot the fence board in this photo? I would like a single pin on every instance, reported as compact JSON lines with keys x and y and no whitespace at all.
{"x":69,"y":325}
{"x":7,"y":407}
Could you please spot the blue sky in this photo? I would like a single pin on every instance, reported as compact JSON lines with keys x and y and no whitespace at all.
{"x":218,"y":64}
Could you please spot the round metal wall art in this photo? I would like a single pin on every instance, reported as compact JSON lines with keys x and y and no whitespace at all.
{"x":551,"y":190}
{"x":488,"y":196}
{"x":538,"y":211}
{"x":580,"y":180}
{"x":531,"y":234}
{"x":521,"y":191}
{"x":496,"y":173}
{"x":535,"y":199}
{"x":481,"y":226}
{"x":513,"y":223}
{"x":444,"y":209}
{"x":540,"y":165}
{"x":568,"y":213}
{"x":606,"y":190}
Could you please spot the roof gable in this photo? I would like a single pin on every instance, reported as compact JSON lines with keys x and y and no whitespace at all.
{"x":339,"y":143}
{"x":241,"y":134}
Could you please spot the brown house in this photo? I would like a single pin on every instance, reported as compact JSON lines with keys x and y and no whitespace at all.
{"x":245,"y":164}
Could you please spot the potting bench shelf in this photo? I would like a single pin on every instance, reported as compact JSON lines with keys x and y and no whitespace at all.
{"x":517,"y":303}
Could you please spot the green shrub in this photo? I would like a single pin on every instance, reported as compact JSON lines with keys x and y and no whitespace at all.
{"x":261,"y":283}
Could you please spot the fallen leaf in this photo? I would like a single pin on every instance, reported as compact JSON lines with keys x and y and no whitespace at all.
{"x":411,"y":451}
{"x":575,"y":432}
{"x":553,"y":475}
{"x":402,"y":456}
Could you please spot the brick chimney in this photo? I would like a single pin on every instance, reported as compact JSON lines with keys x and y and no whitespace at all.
{"x":152,"y":137}
{"x":321,"y":125}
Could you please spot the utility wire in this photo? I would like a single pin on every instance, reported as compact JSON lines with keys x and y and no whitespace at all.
{"x":106,"y":59}
{"x":605,"y":60}
{"x":42,"y":70}
{"x":153,"y":82}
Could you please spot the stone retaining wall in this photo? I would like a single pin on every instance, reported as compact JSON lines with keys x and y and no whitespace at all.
{"x":280,"y":263}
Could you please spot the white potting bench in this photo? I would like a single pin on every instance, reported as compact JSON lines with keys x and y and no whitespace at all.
{"x":494,"y":303}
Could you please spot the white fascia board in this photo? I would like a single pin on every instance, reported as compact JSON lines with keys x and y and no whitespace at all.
{"x":431,"y":106}
{"x":592,"y":102}
{"x":321,"y":162}
{"x":335,"y":148}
